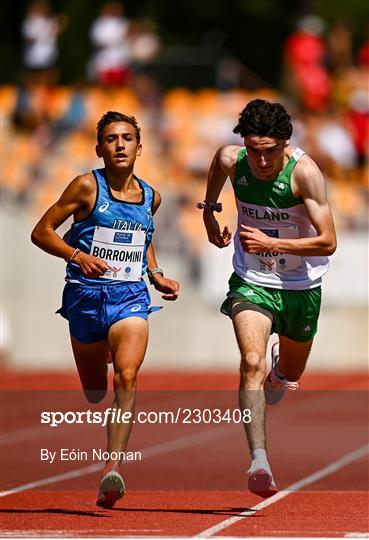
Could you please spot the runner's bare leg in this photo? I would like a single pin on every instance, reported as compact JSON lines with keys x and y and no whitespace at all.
{"x":127,"y":342}
{"x":252,"y":330}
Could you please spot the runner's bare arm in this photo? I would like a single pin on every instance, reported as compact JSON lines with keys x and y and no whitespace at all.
{"x":308,"y":183}
{"x":157,"y":201}
{"x":222,"y":166}
{"x":77,"y":199}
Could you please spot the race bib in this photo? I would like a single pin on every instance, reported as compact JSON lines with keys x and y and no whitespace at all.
{"x":274,"y":262}
{"x":121,"y":250}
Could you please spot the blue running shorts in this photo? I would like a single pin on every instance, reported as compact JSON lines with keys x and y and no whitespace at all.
{"x":92,"y":310}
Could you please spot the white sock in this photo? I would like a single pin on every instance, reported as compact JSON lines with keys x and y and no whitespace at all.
{"x":260,"y":454}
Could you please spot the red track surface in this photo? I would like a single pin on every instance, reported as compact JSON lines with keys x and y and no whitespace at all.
{"x":192,"y":477}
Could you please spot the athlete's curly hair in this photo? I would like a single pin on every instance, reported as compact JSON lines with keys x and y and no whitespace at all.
{"x":265,"y":119}
{"x":114,"y":116}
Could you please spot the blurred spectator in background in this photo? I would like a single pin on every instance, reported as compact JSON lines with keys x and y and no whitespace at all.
{"x":350,"y":93}
{"x":339,"y":45}
{"x":75,"y":114}
{"x":335,"y":141}
{"x":306,"y":77}
{"x":145,"y":47}
{"x":363,"y":56}
{"x":145,"y":44}
{"x":359,"y":105}
{"x":110,"y":65}
{"x":31,"y":111}
{"x":40,"y":30}
{"x":359,"y":117}
{"x":28,"y":111}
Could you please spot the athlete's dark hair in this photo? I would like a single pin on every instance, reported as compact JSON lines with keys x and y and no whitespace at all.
{"x":265,"y":119}
{"x":114,"y":116}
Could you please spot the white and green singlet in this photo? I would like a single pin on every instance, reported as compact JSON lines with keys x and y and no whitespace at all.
{"x":270,"y":205}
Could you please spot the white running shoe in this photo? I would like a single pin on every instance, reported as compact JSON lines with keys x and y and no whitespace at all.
{"x":261,"y":481}
{"x":275,"y":386}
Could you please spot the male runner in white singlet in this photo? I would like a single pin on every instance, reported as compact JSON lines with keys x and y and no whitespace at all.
{"x":285,"y":233}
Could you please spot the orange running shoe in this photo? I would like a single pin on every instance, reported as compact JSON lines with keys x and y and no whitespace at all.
{"x":261,"y":481}
{"x":112,"y":486}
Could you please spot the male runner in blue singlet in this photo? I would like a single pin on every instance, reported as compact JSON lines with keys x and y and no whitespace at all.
{"x":105,"y":300}
{"x":285,"y":233}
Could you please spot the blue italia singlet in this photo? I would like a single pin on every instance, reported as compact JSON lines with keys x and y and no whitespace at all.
{"x":116,"y":231}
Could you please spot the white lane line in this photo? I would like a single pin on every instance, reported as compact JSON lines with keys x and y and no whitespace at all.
{"x":52,"y":479}
{"x":329,"y":469}
{"x":103,"y":533}
{"x":356,"y":535}
{"x":66,"y":533}
{"x":151,"y":451}
{"x":31,"y":433}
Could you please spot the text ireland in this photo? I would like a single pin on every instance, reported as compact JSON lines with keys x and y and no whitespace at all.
{"x":263,"y":214}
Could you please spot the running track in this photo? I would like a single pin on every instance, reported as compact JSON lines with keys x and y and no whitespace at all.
{"x":191,"y":480}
